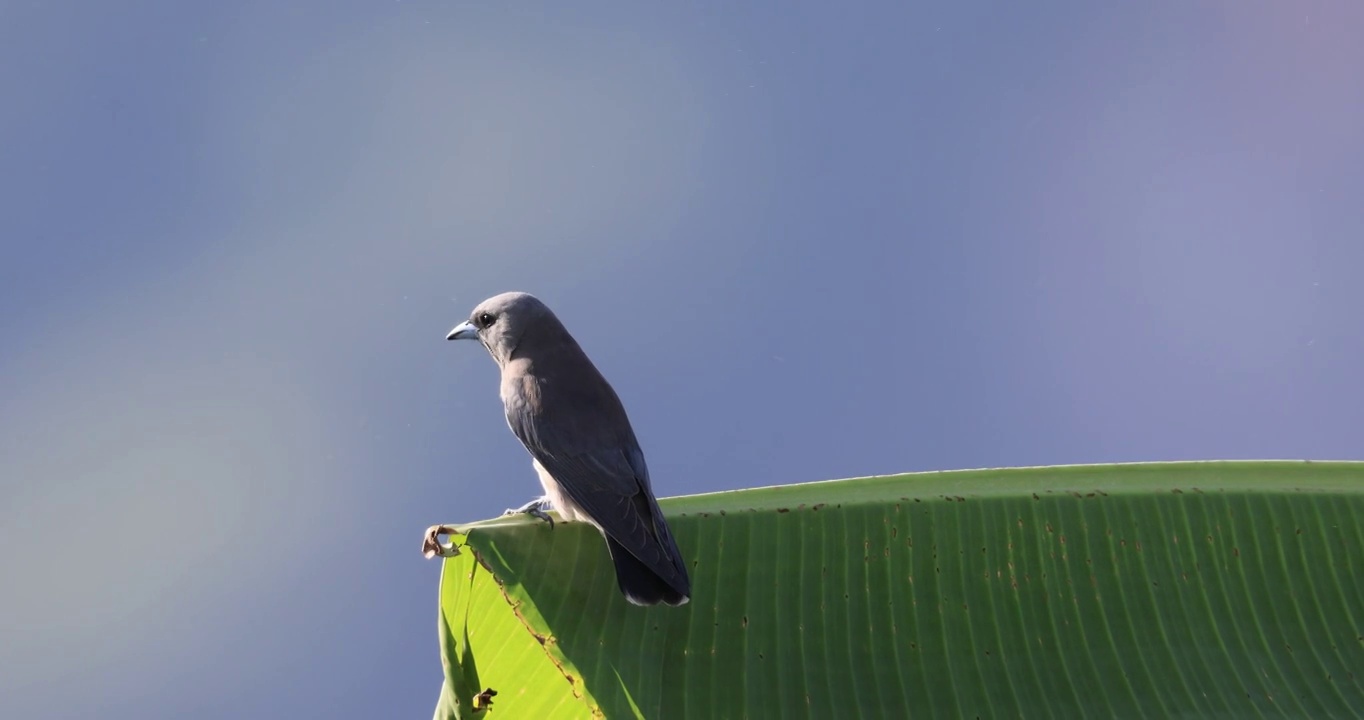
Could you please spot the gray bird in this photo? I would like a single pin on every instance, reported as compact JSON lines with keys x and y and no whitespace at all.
{"x":581,"y":443}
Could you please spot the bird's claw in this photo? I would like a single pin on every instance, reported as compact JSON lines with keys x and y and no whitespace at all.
{"x":539,"y":514}
{"x":432,"y":546}
{"x":535,"y":508}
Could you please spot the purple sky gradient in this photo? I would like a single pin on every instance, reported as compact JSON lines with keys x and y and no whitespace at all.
{"x":803,"y":241}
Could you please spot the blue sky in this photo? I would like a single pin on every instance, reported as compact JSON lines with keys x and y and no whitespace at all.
{"x":804,"y":241}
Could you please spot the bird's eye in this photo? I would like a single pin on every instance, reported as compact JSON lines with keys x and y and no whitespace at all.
{"x":486,"y":319}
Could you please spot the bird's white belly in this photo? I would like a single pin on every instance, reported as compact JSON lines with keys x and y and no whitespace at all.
{"x":568,"y":510}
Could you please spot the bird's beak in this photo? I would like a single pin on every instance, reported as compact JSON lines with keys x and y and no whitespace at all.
{"x":463,"y":331}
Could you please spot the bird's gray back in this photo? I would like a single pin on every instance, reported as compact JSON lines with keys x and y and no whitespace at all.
{"x":567,"y":402}
{"x":572,"y":421}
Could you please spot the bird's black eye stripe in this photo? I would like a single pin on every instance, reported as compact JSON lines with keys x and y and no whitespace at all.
{"x":485,"y":319}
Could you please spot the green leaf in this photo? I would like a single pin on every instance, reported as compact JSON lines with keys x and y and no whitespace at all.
{"x":1218,"y":589}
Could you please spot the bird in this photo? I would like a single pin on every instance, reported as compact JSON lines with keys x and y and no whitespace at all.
{"x":581,"y":443}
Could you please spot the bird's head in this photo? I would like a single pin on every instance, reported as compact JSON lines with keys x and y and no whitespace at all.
{"x":501,"y":321}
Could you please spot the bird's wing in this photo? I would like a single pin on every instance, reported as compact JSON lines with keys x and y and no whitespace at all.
{"x":610,"y":482}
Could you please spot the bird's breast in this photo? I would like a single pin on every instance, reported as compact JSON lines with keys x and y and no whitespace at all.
{"x":522,"y":392}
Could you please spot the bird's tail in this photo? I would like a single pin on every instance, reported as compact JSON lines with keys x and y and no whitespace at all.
{"x":638,"y":583}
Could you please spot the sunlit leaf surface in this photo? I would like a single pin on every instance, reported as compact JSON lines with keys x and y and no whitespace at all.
{"x":1221,"y":589}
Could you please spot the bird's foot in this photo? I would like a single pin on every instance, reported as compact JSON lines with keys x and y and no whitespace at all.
{"x":432,"y":546}
{"x":535,"y":508}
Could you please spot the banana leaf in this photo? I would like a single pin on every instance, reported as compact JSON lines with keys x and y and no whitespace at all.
{"x":1163,"y":590}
